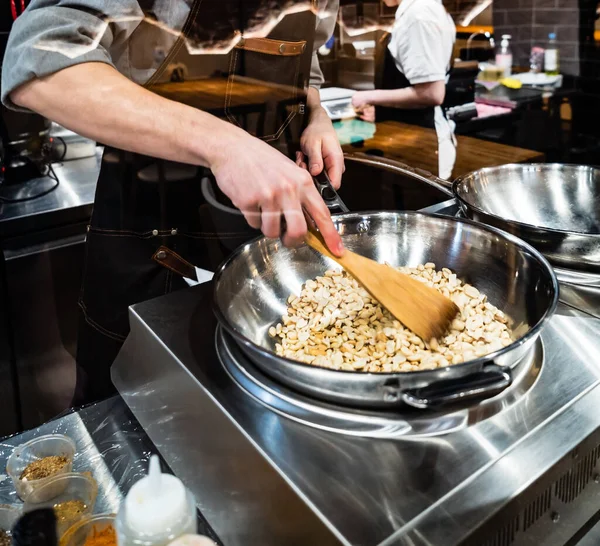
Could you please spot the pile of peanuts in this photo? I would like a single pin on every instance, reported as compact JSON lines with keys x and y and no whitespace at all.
{"x":334,"y":323}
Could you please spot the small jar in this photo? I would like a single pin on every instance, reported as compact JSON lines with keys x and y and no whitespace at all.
{"x":78,"y":533}
{"x":35,"y":450}
{"x":71,"y":487}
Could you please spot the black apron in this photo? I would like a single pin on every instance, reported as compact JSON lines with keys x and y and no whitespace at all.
{"x":143,"y":203}
{"x":392,"y":78}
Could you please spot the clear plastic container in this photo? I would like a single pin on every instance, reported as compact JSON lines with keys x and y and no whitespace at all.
{"x":8,"y":516}
{"x":71,"y":487}
{"x":78,"y":533}
{"x":24,"y":455}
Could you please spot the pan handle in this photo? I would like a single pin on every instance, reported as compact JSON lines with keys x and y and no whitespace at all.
{"x":328,"y":193}
{"x":489,"y":382}
{"x":401,"y":168}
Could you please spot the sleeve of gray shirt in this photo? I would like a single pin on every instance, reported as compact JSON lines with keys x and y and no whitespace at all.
{"x":54,"y":34}
{"x":327,"y":17}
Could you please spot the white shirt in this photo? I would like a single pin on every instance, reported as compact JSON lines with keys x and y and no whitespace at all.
{"x":422,"y":40}
{"x":421,"y":44}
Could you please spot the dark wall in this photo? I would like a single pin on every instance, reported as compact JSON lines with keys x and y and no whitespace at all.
{"x":530,"y":22}
{"x":5,"y":25}
{"x":589,"y":12}
{"x":460,"y":8}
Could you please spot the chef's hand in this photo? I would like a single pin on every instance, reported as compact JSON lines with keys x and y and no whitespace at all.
{"x":321,"y":148}
{"x":266,"y":186}
{"x":367,"y":114}
{"x":360,"y":100}
{"x":363,"y":107}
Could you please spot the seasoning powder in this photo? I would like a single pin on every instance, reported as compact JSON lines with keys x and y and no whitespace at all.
{"x":5,"y":539}
{"x":45,"y":467}
{"x":69,"y":510}
{"x":106,"y":537}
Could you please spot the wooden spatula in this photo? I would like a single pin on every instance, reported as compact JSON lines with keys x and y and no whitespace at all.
{"x":419,"y":307}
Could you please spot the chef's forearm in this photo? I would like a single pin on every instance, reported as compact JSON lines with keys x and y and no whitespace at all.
{"x":96,"y":101}
{"x":313,"y":103}
{"x":418,"y":96}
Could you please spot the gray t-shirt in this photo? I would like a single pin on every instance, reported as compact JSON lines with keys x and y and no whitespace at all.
{"x":54,"y":34}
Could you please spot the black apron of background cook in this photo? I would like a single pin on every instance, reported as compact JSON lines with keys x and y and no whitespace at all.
{"x":143,"y":203}
{"x":391,"y":78}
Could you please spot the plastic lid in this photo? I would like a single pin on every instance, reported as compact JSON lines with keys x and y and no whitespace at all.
{"x":155,"y":503}
{"x":552,"y":36}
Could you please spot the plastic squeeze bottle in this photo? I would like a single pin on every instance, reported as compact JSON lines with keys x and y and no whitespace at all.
{"x":157,"y":510}
{"x":551,"y":59}
{"x":504,"y":56}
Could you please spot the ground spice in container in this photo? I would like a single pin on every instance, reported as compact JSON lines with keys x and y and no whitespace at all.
{"x":69,"y":510}
{"x":106,"y":537}
{"x":5,"y":539}
{"x":44,"y":468}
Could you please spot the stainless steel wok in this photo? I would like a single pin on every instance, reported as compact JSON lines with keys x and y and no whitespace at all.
{"x":554,"y":207}
{"x":252,"y":287}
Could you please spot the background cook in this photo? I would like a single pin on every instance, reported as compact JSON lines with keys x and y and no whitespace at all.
{"x":414,"y":73}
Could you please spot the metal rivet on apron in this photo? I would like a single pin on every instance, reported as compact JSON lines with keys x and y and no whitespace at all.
{"x":174,"y":231}
{"x":155,"y":232}
{"x":282,"y":49}
{"x":161,"y":255}
{"x":242,"y":42}
{"x":303,"y":48}
{"x":87,"y":229}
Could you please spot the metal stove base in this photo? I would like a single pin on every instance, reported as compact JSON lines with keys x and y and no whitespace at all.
{"x":262,"y":478}
{"x":406,"y":422}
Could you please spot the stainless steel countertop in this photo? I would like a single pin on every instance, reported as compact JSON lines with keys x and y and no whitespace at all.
{"x":75,"y":194}
{"x":110,"y":443}
{"x":234,"y":452}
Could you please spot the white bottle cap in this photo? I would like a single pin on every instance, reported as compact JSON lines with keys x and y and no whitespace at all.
{"x":155,"y":503}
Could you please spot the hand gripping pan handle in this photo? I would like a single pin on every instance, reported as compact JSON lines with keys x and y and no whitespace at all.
{"x":330,"y":196}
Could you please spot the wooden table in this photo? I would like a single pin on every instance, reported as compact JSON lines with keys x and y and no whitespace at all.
{"x":257,"y":106}
{"x":417,"y":147}
{"x":209,"y":94}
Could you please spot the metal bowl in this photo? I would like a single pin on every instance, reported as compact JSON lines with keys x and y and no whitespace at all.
{"x":252,"y":287}
{"x":554,"y":207}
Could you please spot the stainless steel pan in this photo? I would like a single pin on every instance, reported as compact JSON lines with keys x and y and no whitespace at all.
{"x":252,"y":286}
{"x":554,"y":207}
